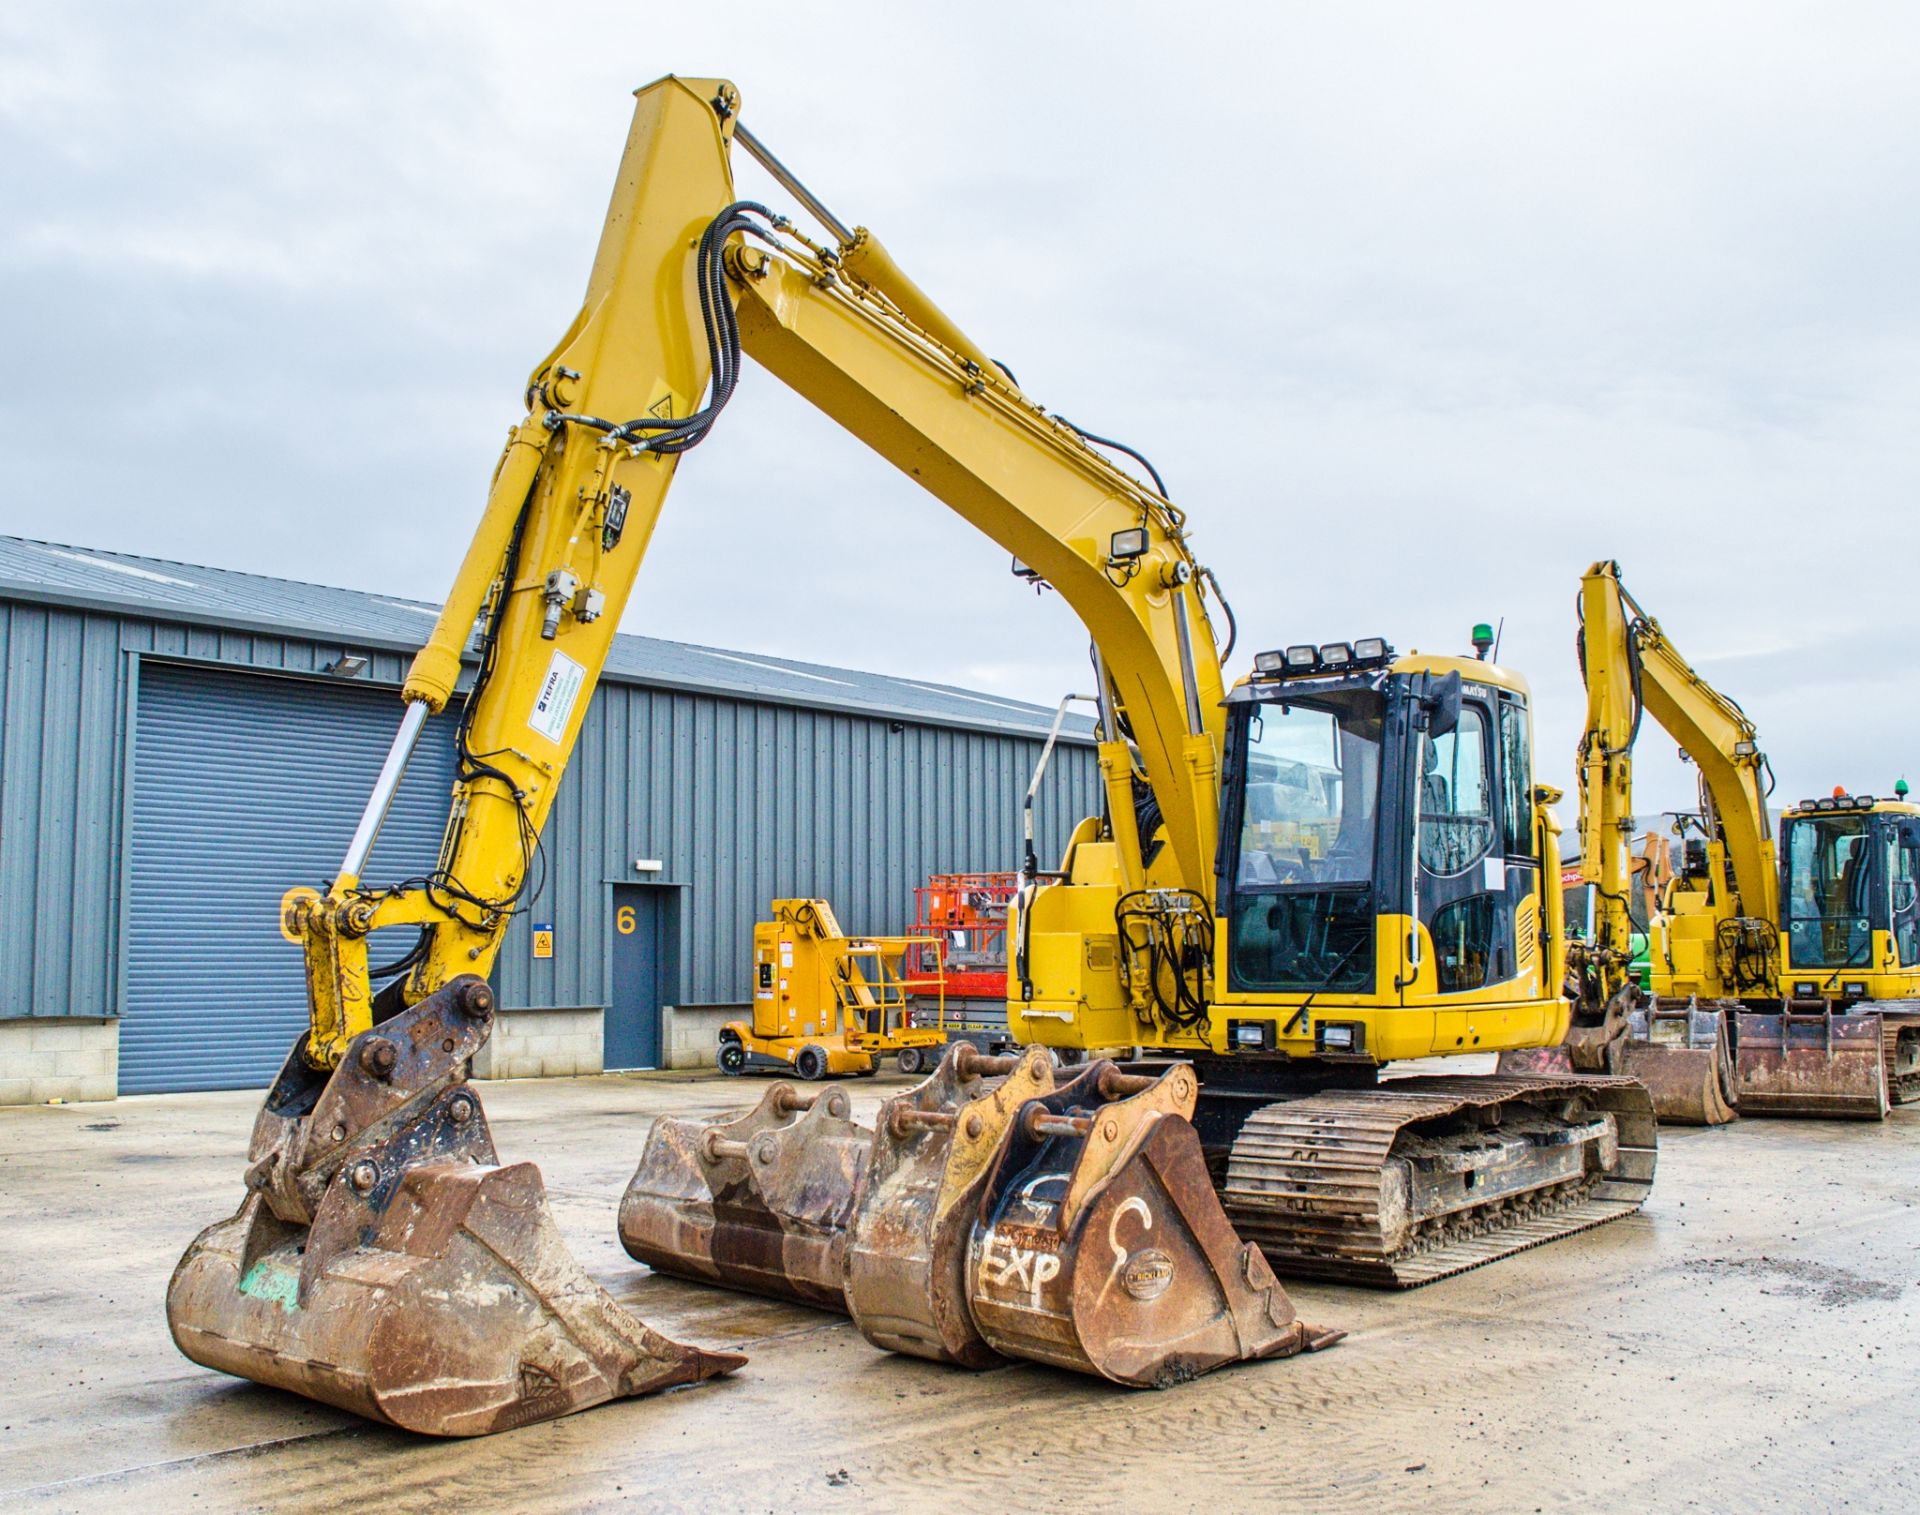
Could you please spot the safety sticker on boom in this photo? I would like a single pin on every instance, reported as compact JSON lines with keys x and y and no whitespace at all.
{"x":553,"y":706}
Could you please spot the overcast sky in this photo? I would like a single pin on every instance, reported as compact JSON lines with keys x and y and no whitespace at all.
{"x":1419,"y":309}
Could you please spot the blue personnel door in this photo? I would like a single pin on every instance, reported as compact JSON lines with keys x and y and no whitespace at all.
{"x":642,"y":926}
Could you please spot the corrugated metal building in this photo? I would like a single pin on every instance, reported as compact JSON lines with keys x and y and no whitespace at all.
{"x":180,"y":744}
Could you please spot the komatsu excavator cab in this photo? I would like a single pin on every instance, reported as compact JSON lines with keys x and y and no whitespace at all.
{"x":1850,"y":887}
{"x":1850,"y":930}
{"x":1379,"y":881}
{"x":1379,"y":847}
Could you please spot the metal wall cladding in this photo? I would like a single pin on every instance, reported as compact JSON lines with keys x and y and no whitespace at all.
{"x":744,"y":803}
{"x":743,"y":800}
{"x":62,"y":714}
{"x":243,"y":787}
{"x":66,"y":693}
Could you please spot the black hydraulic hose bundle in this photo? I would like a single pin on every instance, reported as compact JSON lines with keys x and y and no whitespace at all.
{"x":1167,"y":936}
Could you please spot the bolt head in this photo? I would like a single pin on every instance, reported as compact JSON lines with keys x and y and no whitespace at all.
{"x":460,"y":1109}
{"x":340,"y":1133}
{"x":974,"y":1127}
{"x":363,"y":1175}
{"x":378,"y":1056}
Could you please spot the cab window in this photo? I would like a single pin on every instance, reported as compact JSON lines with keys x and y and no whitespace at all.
{"x":1456,"y":797}
{"x":1904,"y":869}
{"x":1516,"y":768}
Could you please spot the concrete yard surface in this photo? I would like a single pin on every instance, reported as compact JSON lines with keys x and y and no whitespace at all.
{"x":1747,"y":1342}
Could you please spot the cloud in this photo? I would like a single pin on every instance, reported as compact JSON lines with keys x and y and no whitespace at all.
{"x":1419,"y":310}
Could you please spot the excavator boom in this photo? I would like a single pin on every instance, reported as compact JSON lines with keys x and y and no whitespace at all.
{"x":370,"y":1160}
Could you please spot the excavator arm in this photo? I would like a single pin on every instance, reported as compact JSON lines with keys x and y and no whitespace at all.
{"x":1631,"y":669}
{"x":383,"y":1259}
{"x":684,"y":282}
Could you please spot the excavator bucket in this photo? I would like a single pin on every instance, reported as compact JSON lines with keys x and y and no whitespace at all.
{"x":1812,"y":1063}
{"x":933,"y":1153}
{"x":385,"y":1262}
{"x":759,"y":1203}
{"x":774,"y":1201}
{"x":1104,"y":1247}
{"x":1683,"y":1054}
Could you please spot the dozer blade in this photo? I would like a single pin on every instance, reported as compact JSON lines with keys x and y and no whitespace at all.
{"x":1427,"y":1177}
{"x":1813,"y":1063}
{"x":1684,"y":1057}
{"x":383,"y":1261}
{"x":759,"y":1203}
{"x":1104,"y":1247}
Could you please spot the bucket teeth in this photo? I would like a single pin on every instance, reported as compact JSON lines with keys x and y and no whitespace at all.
{"x":990,"y":1213}
{"x":385,"y":1262}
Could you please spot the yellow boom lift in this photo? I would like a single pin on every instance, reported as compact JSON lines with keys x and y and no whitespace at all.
{"x":1762,"y":1003}
{"x":825,"y":1003}
{"x":1341,"y":860}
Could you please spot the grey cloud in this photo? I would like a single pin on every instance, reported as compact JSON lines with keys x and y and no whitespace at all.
{"x":1419,"y":310}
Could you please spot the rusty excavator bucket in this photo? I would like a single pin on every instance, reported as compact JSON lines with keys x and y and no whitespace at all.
{"x":1682,"y":1053}
{"x":384,"y":1260}
{"x":1808,"y":1060}
{"x":760,"y":1202}
{"x":991,"y":1213}
{"x":1103,"y":1246}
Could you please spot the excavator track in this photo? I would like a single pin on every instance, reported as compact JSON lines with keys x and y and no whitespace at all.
{"x":1900,"y":1043}
{"x":1378,"y":1186}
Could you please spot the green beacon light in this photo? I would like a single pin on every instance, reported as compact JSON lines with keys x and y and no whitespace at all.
{"x":1482,"y":639}
{"x":1900,"y":789}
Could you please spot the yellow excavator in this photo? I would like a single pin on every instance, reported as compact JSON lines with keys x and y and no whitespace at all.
{"x":1341,"y":861}
{"x":1774,"y":991}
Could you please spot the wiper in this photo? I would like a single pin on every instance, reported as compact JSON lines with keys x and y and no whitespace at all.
{"x":1325,"y":983}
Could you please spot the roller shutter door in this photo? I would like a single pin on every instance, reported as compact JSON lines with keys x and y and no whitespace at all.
{"x":245,"y":785}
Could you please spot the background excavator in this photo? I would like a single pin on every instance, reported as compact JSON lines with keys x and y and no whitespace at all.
{"x":1341,"y":861}
{"x":1774,"y":991}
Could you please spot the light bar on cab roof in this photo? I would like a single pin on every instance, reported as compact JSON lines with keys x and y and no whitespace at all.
{"x":1331,"y":657}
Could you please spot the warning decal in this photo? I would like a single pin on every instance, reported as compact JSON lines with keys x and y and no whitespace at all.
{"x":559,"y":690}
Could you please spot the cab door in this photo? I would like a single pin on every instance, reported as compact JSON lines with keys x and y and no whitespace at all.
{"x":1904,"y":875}
{"x":1461,"y":870}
